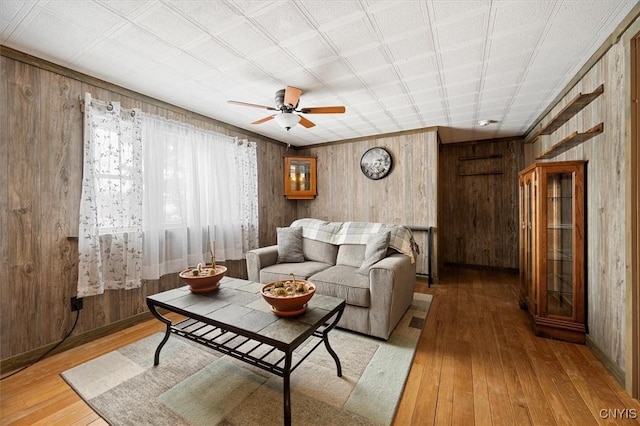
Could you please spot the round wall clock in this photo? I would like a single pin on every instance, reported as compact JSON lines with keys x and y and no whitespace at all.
{"x":376,"y":163}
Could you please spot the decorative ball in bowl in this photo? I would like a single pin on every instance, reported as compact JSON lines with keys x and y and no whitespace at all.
{"x":288,"y":298}
{"x":203,"y":279}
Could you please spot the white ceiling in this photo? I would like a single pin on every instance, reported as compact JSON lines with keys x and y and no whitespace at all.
{"x":395,"y":65}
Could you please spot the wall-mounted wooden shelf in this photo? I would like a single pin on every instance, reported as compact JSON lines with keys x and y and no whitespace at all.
{"x":574,"y":139}
{"x":576,"y":104}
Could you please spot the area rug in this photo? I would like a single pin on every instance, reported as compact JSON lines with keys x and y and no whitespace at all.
{"x":194,"y":385}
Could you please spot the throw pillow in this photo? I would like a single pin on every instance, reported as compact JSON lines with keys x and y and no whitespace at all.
{"x":375,"y":251}
{"x":290,"y":245}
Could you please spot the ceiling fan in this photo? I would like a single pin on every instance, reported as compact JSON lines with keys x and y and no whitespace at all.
{"x":287,"y":104}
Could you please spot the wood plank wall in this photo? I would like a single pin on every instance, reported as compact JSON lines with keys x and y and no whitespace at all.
{"x":605,"y":192}
{"x":41,"y":183}
{"x":408,"y":195}
{"x":479,"y":202}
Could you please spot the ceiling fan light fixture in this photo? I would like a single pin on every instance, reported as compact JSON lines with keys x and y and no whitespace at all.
{"x":287,"y":120}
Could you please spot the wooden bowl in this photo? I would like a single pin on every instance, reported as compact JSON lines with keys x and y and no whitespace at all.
{"x":289,"y":305}
{"x":206,"y":281}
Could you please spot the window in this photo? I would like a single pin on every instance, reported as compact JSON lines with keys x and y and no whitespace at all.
{"x":158,"y":195}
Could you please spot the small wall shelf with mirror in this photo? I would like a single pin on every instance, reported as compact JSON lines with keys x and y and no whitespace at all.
{"x":300,"y":178}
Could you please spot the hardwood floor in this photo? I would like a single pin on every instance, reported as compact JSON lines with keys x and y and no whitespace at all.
{"x":477,"y":363}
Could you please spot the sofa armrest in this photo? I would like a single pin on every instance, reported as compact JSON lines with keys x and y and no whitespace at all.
{"x":391,"y":283}
{"x":260,"y":258}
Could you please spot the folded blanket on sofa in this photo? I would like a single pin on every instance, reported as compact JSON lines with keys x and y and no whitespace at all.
{"x":357,"y":233}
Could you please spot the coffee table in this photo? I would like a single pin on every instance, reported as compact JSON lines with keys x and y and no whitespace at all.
{"x":236,"y":321}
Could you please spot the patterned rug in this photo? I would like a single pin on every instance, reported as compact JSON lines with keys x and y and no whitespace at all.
{"x":194,"y":385}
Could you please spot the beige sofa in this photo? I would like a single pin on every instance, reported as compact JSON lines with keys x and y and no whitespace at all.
{"x":370,"y":265}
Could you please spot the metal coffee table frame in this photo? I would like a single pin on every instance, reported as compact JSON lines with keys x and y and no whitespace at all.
{"x":248,"y":346}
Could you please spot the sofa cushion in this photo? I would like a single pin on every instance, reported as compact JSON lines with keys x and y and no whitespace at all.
{"x":283,"y":271}
{"x":343,"y":282}
{"x":290,"y":244}
{"x":319,"y":251}
{"x":351,"y":255}
{"x":375,"y":251}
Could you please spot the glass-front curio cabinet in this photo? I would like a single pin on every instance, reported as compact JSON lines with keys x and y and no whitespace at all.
{"x":300,"y":178}
{"x":552,"y":248}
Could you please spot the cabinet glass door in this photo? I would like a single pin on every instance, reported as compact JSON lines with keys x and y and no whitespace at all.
{"x":300,"y":175}
{"x":528,"y":246}
{"x":299,"y":178}
{"x":560,"y":225}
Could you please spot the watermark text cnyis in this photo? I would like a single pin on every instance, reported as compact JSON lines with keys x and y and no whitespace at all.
{"x":618,"y":413}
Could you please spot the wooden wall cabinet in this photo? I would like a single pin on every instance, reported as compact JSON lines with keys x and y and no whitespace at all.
{"x":552,"y":248}
{"x":300,"y":178}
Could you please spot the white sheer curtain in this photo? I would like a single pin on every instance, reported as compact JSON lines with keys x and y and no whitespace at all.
{"x":200,"y":187}
{"x":110,"y":230}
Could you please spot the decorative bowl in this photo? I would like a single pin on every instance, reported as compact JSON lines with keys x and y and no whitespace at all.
{"x":207,"y":278}
{"x":291,"y":304}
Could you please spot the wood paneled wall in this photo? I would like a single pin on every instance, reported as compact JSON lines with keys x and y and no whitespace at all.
{"x":41,"y":182}
{"x":606,"y":194}
{"x":479,"y":202}
{"x":408,"y":195}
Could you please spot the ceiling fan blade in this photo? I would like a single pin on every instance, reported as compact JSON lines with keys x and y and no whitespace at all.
{"x":262,"y":120}
{"x":252,"y":105}
{"x":306,"y":123}
{"x":292,"y":96}
{"x":324,"y":110}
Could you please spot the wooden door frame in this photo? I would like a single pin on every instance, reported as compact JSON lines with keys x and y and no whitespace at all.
{"x":633,"y":237}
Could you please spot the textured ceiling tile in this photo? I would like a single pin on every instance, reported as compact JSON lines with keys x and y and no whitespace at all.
{"x":354,"y":35}
{"x":99,"y":62}
{"x":464,"y":100}
{"x":249,"y":7}
{"x":515,"y":17}
{"x":245,"y":38}
{"x":411,"y":47}
{"x":379,"y":76}
{"x":336,"y":13}
{"x":334,"y":69}
{"x":508,"y":78}
{"x":506,"y":46}
{"x":460,"y":75}
{"x":127,"y":8}
{"x":188,"y":65}
{"x":310,"y":49}
{"x":283,"y":21}
{"x":462,"y":56}
{"x":417,"y":67}
{"x":345,"y":84}
{"x":276,"y":62}
{"x":396,"y":100}
{"x":446,"y":11}
{"x":212,"y":16}
{"x":461,"y":32}
{"x":420,"y":98}
{"x":14,"y":10}
{"x":212,"y":52}
{"x":146,"y":44}
{"x":423,"y":82}
{"x":400,"y":18}
{"x":245,"y":71}
{"x":66,"y":38}
{"x":166,"y":24}
{"x":85,"y":15}
{"x":368,"y":59}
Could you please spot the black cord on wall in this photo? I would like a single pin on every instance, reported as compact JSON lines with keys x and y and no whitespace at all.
{"x":41,"y":357}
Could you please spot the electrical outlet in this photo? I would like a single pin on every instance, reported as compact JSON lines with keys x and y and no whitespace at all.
{"x":76,"y":304}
